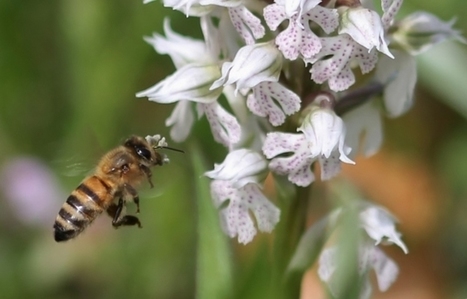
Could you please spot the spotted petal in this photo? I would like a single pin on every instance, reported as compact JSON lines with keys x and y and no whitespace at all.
{"x":274,"y":15}
{"x":390,"y":9}
{"x":236,"y":217}
{"x":298,"y":38}
{"x":247,"y":24}
{"x":333,"y":62}
{"x":297,"y":165}
{"x":224,"y":126}
{"x":273,"y":100}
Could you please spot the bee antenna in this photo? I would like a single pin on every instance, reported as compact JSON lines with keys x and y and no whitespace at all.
{"x":173,"y":149}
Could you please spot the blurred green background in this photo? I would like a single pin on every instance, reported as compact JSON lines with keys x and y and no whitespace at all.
{"x":69,"y":71}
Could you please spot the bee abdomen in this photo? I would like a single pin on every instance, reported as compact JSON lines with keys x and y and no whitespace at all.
{"x":81,"y":208}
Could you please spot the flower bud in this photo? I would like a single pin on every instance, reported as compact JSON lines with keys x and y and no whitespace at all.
{"x":365,"y":27}
{"x":421,"y":30}
{"x":252,"y":64}
{"x":240,"y":167}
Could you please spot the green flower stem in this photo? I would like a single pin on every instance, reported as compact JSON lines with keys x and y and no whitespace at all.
{"x":289,"y":232}
{"x":214,"y":265}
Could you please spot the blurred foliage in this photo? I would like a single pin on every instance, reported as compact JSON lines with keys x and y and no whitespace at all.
{"x":69,"y":71}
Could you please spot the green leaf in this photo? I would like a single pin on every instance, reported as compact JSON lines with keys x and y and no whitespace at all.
{"x":309,"y":247}
{"x":308,"y":250}
{"x":442,"y":71}
{"x":288,"y":232}
{"x":347,"y":277}
{"x":214,"y":265}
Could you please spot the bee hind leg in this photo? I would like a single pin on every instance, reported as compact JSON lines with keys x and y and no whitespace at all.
{"x":115,"y":212}
{"x":127,"y":220}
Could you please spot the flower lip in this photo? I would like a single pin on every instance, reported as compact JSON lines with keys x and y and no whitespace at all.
{"x":298,"y":39}
{"x":238,"y":205}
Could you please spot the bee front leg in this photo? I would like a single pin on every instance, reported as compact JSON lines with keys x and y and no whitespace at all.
{"x":115,"y":211}
{"x":147,"y":172}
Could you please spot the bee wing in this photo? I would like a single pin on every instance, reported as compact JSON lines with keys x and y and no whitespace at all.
{"x":76,"y":158}
{"x":73,"y":167}
{"x":150,"y":193}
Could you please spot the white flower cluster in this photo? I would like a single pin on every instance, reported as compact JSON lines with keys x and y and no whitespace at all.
{"x":256,"y":71}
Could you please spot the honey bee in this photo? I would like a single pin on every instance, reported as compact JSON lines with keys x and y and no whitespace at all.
{"x":111,"y":186}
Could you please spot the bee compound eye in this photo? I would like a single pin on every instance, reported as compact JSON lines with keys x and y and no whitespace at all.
{"x":143,"y":152}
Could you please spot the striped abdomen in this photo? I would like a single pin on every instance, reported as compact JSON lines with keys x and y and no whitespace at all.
{"x":89,"y":200}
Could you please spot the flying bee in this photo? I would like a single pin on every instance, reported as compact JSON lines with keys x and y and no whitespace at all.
{"x":111,"y":186}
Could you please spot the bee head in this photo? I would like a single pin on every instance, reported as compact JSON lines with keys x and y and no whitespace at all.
{"x":143,"y":150}
{"x":146,"y":149}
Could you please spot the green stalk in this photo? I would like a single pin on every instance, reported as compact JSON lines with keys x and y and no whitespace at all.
{"x":289,"y":232}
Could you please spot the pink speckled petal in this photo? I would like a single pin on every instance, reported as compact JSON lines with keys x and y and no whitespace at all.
{"x":277,"y":143}
{"x":310,"y":44}
{"x":329,"y":46}
{"x":337,"y":68}
{"x":342,"y":80}
{"x":330,"y":167}
{"x":390,"y":9}
{"x":266,"y":214}
{"x":239,"y":221}
{"x":296,"y":166}
{"x":323,"y":70}
{"x":261,"y":102}
{"x":288,"y":39}
{"x":327,"y":19}
{"x":366,"y":60}
{"x":247,"y":24}
{"x":224,"y":126}
{"x":341,"y":48}
{"x":236,"y":218}
{"x":274,"y":15}
{"x":298,"y":39}
{"x":220,"y":192}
